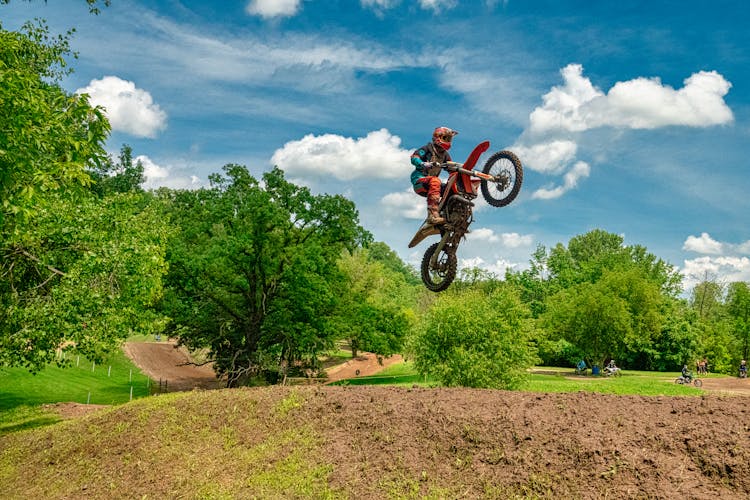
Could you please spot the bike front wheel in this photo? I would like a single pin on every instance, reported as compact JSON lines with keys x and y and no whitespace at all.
{"x":439,"y":277}
{"x":506,"y":168}
{"x":697,"y":382}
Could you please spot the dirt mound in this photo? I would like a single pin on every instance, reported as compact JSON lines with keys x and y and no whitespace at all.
{"x":385,"y":442}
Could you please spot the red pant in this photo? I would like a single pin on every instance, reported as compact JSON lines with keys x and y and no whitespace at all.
{"x":430,"y":187}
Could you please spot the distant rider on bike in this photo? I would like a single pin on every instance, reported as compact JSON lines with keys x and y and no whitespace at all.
{"x":425,"y":179}
{"x":743,"y":368}
{"x":685,"y":372}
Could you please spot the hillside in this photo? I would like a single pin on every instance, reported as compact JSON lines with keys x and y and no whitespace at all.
{"x":385,"y":442}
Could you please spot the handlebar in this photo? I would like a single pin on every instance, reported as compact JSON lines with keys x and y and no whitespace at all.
{"x":453,"y":166}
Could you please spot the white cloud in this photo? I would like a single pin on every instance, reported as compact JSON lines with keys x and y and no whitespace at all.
{"x":377,"y":155}
{"x":727,"y":269}
{"x":158,"y":176}
{"x":406,"y":204}
{"x":549,"y":144}
{"x":508,"y":240}
{"x":547,"y":157}
{"x":703,"y":244}
{"x":579,"y":171}
{"x":497,"y":268}
{"x":128,"y":108}
{"x":379,"y":4}
{"x":273,"y":8}
{"x":641,"y":103}
{"x":437,"y":5}
{"x":725,"y":261}
{"x":744,"y":247}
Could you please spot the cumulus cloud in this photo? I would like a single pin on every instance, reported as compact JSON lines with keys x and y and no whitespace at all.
{"x":269,"y":9}
{"x":570,"y":180}
{"x":702,"y":244}
{"x":724,"y":260}
{"x":547,"y":157}
{"x":404,"y":204}
{"x":507,"y":240}
{"x":128,"y":108}
{"x":550,"y":143}
{"x":498,"y":268}
{"x":377,"y":155}
{"x":171,"y":177}
{"x":641,"y":103}
{"x":727,"y":269}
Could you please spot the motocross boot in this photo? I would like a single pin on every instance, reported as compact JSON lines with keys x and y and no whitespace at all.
{"x":433,"y":216}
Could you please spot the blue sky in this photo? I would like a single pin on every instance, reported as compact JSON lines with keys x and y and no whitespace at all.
{"x":630,"y":117}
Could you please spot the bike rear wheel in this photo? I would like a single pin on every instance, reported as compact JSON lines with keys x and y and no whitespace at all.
{"x":506,"y":168}
{"x":441,"y":276}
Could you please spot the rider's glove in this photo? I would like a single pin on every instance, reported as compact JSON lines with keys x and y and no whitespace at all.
{"x":426,"y":165}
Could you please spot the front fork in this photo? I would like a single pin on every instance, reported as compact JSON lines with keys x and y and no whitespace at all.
{"x":441,"y":245}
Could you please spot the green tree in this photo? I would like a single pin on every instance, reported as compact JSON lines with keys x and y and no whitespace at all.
{"x":85,"y":275}
{"x":374,"y":308}
{"x":253,"y":274}
{"x":679,"y":338}
{"x":618,"y":316}
{"x":469,"y":338}
{"x":706,"y":297}
{"x":48,"y":138}
{"x":534,"y":283}
{"x":77,"y":272}
{"x":122,"y":176}
{"x":738,"y":307}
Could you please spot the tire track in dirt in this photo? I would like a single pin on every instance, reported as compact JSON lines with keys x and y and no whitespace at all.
{"x":171,"y":363}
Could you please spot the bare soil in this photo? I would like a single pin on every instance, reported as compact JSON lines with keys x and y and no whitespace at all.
{"x":377,"y":442}
{"x":171,"y":364}
{"x":363,"y":365}
{"x":388,"y":442}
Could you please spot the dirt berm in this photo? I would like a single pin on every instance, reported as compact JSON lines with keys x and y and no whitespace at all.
{"x":364,"y":442}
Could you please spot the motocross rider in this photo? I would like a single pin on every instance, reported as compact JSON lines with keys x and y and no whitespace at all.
{"x":425,"y":179}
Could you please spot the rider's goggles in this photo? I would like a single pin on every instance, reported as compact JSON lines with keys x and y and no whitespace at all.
{"x":446,"y":137}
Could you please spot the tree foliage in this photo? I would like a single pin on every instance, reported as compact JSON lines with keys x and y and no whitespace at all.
{"x":48,"y":138}
{"x":604,"y":298}
{"x":253,"y":274}
{"x":77,"y":272}
{"x":374,"y":308}
{"x":472,"y":339}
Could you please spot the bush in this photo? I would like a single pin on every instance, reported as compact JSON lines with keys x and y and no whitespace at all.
{"x":472,"y":339}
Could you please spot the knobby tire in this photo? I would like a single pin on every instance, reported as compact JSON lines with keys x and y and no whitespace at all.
{"x":445,"y":275}
{"x":508,"y":164}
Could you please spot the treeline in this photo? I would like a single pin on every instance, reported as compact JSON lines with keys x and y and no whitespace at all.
{"x":265,"y":276}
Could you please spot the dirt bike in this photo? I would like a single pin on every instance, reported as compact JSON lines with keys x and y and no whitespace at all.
{"x":612,"y":372}
{"x":688,"y":379}
{"x":743,"y":373}
{"x":500,"y":181}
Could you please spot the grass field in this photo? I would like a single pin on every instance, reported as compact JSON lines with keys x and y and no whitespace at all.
{"x":550,"y":379}
{"x":80,"y":382}
{"x":23,"y":393}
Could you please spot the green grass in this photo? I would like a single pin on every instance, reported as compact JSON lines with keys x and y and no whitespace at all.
{"x":399,"y":374}
{"x":26,"y":417}
{"x":631,"y":382}
{"x":76,"y":383}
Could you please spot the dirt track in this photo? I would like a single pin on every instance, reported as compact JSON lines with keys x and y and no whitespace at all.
{"x":165,"y":361}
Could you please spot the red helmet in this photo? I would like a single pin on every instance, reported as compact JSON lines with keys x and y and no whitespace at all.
{"x":443,"y":136}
